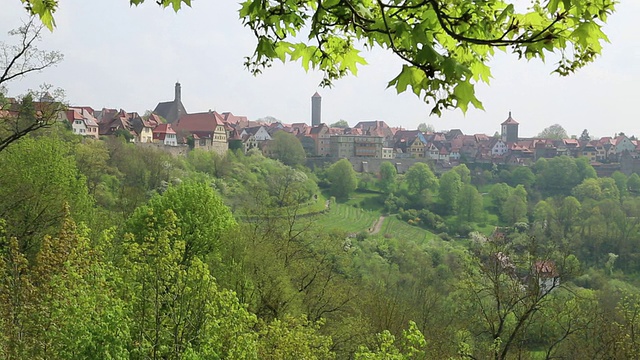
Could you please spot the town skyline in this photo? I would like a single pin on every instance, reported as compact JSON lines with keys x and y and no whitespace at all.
{"x":151,"y":49}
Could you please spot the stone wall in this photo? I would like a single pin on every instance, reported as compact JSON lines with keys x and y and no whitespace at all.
{"x":180,"y":150}
{"x":370,"y":165}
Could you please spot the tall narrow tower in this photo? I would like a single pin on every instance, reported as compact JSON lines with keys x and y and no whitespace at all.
{"x":316,"y":108}
{"x":509,"y":130}
{"x":178,"y":92}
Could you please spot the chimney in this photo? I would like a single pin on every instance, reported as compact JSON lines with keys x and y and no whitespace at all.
{"x":178,"y":92}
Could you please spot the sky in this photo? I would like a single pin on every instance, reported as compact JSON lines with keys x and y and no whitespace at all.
{"x":129,"y":58}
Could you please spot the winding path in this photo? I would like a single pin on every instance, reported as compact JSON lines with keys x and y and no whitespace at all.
{"x":377,"y":225}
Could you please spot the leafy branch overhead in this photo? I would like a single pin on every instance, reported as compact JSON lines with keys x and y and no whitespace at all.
{"x":445,"y":44}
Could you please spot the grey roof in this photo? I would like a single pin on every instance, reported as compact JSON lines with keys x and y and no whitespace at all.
{"x":170,"y":110}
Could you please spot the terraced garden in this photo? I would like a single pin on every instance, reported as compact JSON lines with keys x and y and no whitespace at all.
{"x":401,"y":230}
{"x":347,"y":218}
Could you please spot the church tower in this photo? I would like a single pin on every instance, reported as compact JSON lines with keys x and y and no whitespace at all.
{"x":509,"y":130}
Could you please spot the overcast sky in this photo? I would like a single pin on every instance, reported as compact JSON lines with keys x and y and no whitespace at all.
{"x":130,"y":57}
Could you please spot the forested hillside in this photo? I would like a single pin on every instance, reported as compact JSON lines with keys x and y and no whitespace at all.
{"x":114,"y":251}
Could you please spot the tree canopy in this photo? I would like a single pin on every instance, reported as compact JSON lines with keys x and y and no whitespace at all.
{"x":554,"y":132}
{"x":446,"y":45}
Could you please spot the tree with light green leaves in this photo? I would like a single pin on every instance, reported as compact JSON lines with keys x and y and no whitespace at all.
{"x":419,"y":178}
{"x":470,"y":206}
{"x":445,"y":45}
{"x":388,"y":175}
{"x":450,"y":187}
{"x":201,"y":219}
{"x":553,"y":132}
{"x":39,"y":176}
{"x":287,"y":148}
{"x":343,"y":179}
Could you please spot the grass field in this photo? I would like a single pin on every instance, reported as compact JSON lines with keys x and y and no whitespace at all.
{"x":347,"y":218}
{"x":401,"y":230}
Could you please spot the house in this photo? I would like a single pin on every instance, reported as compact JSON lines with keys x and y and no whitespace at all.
{"x":546,"y":274}
{"x":498,"y":147}
{"x":410,"y":142}
{"x":208,"y":127}
{"x":377,"y":128}
{"x":164,"y":134}
{"x":260,"y":133}
{"x":172,"y":110}
{"x":343,"y":146}
{"x":113,"y":123}
{"x":82,"y":122}
{"x":144,"y":128}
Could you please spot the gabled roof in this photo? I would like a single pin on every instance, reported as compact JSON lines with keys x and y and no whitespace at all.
{"x":164,"y":129}
{"x":509,"y":121}
{"x":199,"y":122}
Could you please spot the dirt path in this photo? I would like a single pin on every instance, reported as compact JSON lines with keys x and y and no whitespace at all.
{"x":377,"y":225}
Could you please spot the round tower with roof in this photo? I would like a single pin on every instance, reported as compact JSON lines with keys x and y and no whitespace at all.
{"x":316,"y":107}
{"x":509,"y":130}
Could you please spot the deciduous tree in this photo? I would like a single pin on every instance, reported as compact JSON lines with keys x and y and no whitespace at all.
{"x":287,"y":148}
{"x":446,"y":46}
{"x":19,"y":117}
{"x":388,"y":174}
{"x":343,"y":179}
{"x":419,"y":177}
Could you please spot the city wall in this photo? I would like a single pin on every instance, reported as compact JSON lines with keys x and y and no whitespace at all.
{"x":369,"y":165}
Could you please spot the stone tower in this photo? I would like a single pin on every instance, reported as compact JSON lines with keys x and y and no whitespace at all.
{"x":316,"y":108}
{"x":178,"y":96}
{"x":509,"y":130}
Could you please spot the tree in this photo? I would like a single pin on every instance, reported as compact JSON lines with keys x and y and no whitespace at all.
{"x":340,"y":124}
{"x":450,"y":186}
{"x":19,"y":117}
{"x":62,"y":304}
{"x":585,"y":136}
{"x":514,"y":208}
{"x":469,"y":204}
{"x":201,"y":219}
{"x":175,"y":307}
{"x":499,"y":194}
{"x":388,"y":174}
{"x":343,"y":179}
{"x":464,"y":172}
{"x":621,"y":183}
{"x":554,"y":132}
{"x":559,"y":176}
{"x":633,"y":184}
{"x":287,"y":148}
{"x":39,"y":176}
{"x":419,"y":177}
{"x":427,"y":128}
{"x":522,"y":175}
{"x":445,"y":45}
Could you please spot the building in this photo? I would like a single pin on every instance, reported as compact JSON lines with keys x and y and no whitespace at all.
{"x":345,"y":146}
{"x":509,"y":130}
{"x":172,"y":110}
{"x":316,"y":109}
{"x":164,"y":134}
{"x":207,"y":128}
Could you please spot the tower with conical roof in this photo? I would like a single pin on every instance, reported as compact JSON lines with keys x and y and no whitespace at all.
{"x":316,"y":108}
{"x":509,"y":130}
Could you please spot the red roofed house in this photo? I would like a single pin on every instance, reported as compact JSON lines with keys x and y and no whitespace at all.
{"x":164,"y":134}
{"x":207,"y":128}
{"x":82,"y":122}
